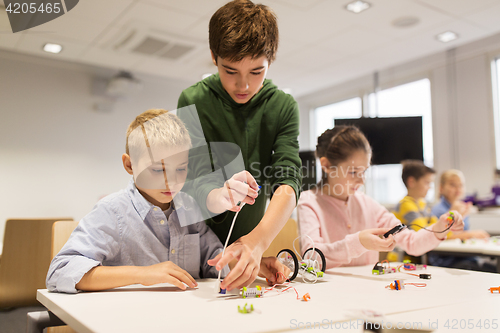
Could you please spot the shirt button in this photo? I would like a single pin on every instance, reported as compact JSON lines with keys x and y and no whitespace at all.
{"x":173,"y":251}
{"x":162,"y":222}
{"x":155,"y":209}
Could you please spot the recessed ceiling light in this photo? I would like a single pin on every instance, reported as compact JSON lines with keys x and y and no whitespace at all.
{"x":447,"y":36}
{"x":204,"y":76}
{"x":52,"y":48}
{"x":405,"y":22}
{"x":357,"y":6}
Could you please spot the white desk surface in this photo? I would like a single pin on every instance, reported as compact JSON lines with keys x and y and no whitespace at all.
{"x":487,"y":247}
{"x":343,"y":294}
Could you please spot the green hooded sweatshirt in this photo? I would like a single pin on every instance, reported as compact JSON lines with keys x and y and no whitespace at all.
{"x":266,"y":130}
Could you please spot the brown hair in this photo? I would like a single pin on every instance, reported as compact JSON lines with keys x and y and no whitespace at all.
{"x":415,"y":169}
{"x":240,"y":29}
{"x":339,"y":143}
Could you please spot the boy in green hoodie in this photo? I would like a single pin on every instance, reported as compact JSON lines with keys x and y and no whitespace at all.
{"x":239,"y":105}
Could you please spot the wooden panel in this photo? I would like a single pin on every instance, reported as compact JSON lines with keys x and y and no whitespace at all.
{"x":284,"y":239}
{"x":26,"y":258}
{"x":60,"y":329}
{"x":61,"y":230}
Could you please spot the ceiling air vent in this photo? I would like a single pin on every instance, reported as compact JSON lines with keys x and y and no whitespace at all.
{"x":154,"y":43}
{"x":176,"y":51}
{"x":150,"y":46}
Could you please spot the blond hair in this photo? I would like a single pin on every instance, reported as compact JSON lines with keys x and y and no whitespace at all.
{"x":445,"y":176}
{"x":159,"y":127}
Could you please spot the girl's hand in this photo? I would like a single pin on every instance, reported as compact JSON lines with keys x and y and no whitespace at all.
{"x":166,"y":272}
{"x":241,"y":188}
{"x":443,"y":223}
{"x":245,"y":271}
{"x":371,"y":240}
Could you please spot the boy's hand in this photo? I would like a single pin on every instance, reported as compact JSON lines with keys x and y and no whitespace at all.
{"x":371,"y":240}
{"x":242,"y":188}
{"x":468,"y":234}
{"x":443,"y":223}
{"x":247,"y":268}
{"x":167,"y":272}
{"x":273,"y":270}
{"x":462,"y":207}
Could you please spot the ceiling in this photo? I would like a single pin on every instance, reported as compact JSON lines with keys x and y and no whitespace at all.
{"x":321,"y":44}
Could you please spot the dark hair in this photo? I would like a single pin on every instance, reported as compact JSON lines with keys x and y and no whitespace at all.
{"x":240,"y":29}
{"x":415,"y":169}
{"x":339,"y":143}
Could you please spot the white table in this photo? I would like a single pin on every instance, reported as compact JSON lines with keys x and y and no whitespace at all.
{"x":487,"y":219}
{"x":471,"y":247}
{"x":338,"y":300}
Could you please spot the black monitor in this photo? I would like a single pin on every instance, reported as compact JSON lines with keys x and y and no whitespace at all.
{"x":393,"y":139}
{"x":308,"y":159}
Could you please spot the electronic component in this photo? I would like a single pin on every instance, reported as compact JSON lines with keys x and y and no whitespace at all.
{"x":245,"y":309}
{"x":395,"y":230}
{"x":400,"y":284}
{"x":492,"y":289}
{"x":252,"y":292}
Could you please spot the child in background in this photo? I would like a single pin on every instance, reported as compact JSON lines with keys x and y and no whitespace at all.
{"x":452,"y":190}
{"x":346,"y":224}
{"x":140,"y":235}
{"x":413,"y":210}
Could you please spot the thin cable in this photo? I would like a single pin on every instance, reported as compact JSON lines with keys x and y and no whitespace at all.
{"x":225,"y":245}
{"x":437,"y":232}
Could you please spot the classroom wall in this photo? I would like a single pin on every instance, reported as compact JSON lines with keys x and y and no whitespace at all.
{"x":461,"y":103}
{"x":58,"y":155}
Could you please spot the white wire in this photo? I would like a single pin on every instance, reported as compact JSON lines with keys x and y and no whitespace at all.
{"x":301,"y":258}
{"x":225,"y":245}
{"x":295,"y":250}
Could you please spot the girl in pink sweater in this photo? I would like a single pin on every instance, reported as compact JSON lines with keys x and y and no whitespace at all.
{"x":346,"y":224}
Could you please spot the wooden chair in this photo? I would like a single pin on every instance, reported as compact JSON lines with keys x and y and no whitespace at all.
{"x":38,"y":321}
{"x":61,"y":230}
{"x":26,"y":257}
{"x":284,"y":239}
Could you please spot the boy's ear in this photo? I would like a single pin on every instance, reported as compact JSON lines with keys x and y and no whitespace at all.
{"x":325,"y":164}
{"x":214,"y":58}
{"x":127,"y":164}
{"x":411,"y":181}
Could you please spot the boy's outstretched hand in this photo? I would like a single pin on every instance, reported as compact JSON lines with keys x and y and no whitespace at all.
{"x":240,"y":188}
{"x":269,"y":268}
{"x":371,"y":240}
{"x":246,"y":269}
{"x":167,"y":272}
{"x":273,"y":270}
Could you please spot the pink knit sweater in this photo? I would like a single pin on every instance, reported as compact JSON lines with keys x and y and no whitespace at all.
{"x":334,"y":226}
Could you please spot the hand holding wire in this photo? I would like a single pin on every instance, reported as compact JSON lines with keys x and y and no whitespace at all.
{"x":371,"y":240}
{"x":449,"y":221}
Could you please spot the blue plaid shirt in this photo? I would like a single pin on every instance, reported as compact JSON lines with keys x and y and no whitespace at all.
{"x":124,"y":229}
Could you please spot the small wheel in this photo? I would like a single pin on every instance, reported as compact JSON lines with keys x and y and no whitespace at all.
{"x":289,"y":259}
{"x":321,"y":260}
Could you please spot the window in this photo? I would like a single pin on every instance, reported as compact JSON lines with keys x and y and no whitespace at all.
{"x":384,"y":182}
{"x":324,"y":116}
{"x":496,"y":107}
